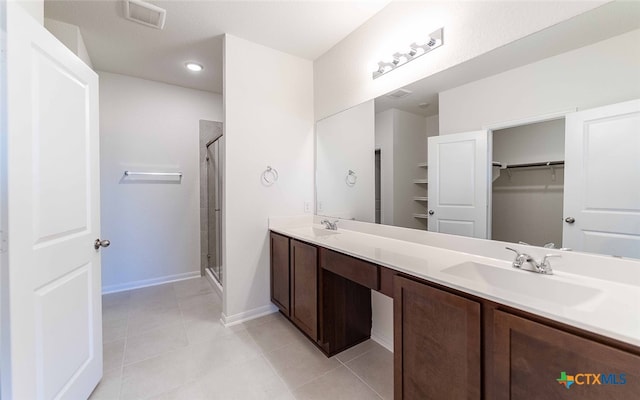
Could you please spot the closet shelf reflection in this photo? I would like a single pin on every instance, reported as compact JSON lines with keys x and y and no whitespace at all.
{"x":420,"y":181}
{"x":420,"y":216}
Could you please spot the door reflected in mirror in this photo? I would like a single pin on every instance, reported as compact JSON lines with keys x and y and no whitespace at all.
{"x":545,"y":152}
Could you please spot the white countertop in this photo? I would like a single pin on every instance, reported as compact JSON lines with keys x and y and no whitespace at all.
{"x":607,"y":307}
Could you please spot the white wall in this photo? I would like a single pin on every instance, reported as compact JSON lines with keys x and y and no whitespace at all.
{"x":603,"y":73}
{"x":5,"y":343}
{"x":384,"y":142}
{"x":34,"y":7}
{"x":402,"y":140}
{"x":382,"y":319}
{"x":432,"y":126}
{"x":536,"y":142}
{"x":268,"y":98}
{"x":346,"y":141}
{"x":342,"y":76}
{"x":153,"y":227}
{"x":70,"y":36}
{"x":410,"y":149}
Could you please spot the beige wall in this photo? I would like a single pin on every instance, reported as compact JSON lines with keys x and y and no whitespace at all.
{"x":154,"y":227}
{"x":342,"y":76}
{"x":268,"y":102}
{"x":602,"y":73}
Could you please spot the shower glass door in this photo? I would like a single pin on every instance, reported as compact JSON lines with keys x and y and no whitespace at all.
{"x":214,"y":185}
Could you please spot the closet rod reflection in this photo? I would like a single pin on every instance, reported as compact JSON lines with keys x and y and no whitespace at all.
{"x":537,"y":164}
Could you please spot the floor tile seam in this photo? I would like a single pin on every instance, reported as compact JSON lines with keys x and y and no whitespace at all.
{"x":318,"y":377}
{"x":191,"y":295}
{"x":260,"y":349}
{"x":125,"y":364}
{"x":275,"y":371}
{"x":219,"y":336}
{"x":146,"y":309}
{"x":184,"y":307}
{"x":124,"y":353}
{"x":162,"y":326}
{"x":263,"y":351}
{"x":356,"y":357}
{"x":363,"y":381}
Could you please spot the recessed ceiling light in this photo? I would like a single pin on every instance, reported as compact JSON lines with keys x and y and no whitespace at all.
{"x":195,"y":67}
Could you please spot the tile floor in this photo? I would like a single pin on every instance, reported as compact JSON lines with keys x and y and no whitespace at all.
{"x":166,"y":342}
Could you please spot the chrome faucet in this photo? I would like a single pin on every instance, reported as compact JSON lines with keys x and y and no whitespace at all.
{"x":332,"y":226}
{"x":549,"y":245}
{"x":542,"y":267}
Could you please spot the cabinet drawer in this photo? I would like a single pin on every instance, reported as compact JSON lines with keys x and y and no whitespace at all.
{"x":358,"y":271}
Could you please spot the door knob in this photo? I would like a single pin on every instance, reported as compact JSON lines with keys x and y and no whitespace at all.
{"x":569,"y":220}
{"x":431,"y":212}
{"x":101,"y":243}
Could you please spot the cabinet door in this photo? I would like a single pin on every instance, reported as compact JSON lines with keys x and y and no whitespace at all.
{"x":437,"y":343}
{"x":530,"y":361}
{"x":304,"y":287}
{"x":280,"y":289}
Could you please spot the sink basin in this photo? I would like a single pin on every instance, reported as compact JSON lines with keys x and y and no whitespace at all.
{"x":315,"y":232}
{"x":530,"y":284}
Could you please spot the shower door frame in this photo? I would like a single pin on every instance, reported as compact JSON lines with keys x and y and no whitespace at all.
{"x":214,"y":258}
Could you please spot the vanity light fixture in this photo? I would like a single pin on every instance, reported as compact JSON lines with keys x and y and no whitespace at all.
{"x":193,"y":66}
{"x":415,"y":51}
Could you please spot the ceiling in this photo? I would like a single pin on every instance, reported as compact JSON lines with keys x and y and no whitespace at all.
{"x":193,"y":32}
{"x":604,"y":22}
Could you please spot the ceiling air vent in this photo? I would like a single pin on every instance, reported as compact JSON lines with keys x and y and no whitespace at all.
{"x":400,"y":93}
{"x":144,"y":13}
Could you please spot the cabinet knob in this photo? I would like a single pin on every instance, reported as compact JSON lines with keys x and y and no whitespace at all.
{"x":569,"y":220}
{"x":431,"y":212}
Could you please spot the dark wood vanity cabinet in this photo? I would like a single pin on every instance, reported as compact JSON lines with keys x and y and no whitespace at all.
{"x":447,"y":344}
{"x":529,"y":357}
{"x":436,"y":343}
{"x":450,"y":345}
{"x":280,"y":279}
{"x":332,"y":310}
{"x":304,"y":287}
{"x":345,"y":298}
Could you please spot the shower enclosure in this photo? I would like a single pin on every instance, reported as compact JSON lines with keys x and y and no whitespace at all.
{"x":211,"y":194}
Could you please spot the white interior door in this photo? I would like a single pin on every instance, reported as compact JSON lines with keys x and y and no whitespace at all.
{"x":459,"y":177}
{"x":54,"y":310}
{"x":602,"y":180}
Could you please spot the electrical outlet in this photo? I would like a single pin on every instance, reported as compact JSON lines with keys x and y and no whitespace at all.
{"x":319,"y":206}
{"x":307,"y":206}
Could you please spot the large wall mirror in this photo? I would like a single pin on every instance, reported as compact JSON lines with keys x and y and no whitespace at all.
{"x":536,"y":142}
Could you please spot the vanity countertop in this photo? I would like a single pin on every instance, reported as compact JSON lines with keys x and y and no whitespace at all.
{"x":605,"y":307}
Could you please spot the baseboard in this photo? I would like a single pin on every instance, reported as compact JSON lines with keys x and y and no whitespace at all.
{"x":217,"y":287}
{"x":121,"y":287}
{"x":247,"y":315}
{"x":385,"y":342}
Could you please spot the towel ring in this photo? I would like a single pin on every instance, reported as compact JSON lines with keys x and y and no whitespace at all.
{"x":351,"y":178}
{"x":269,"y":176}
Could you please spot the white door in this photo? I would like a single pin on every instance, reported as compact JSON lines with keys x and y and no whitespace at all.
{"x":602,"y":180}
{"x":459,"y":177}
{"x":54,"y":310}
